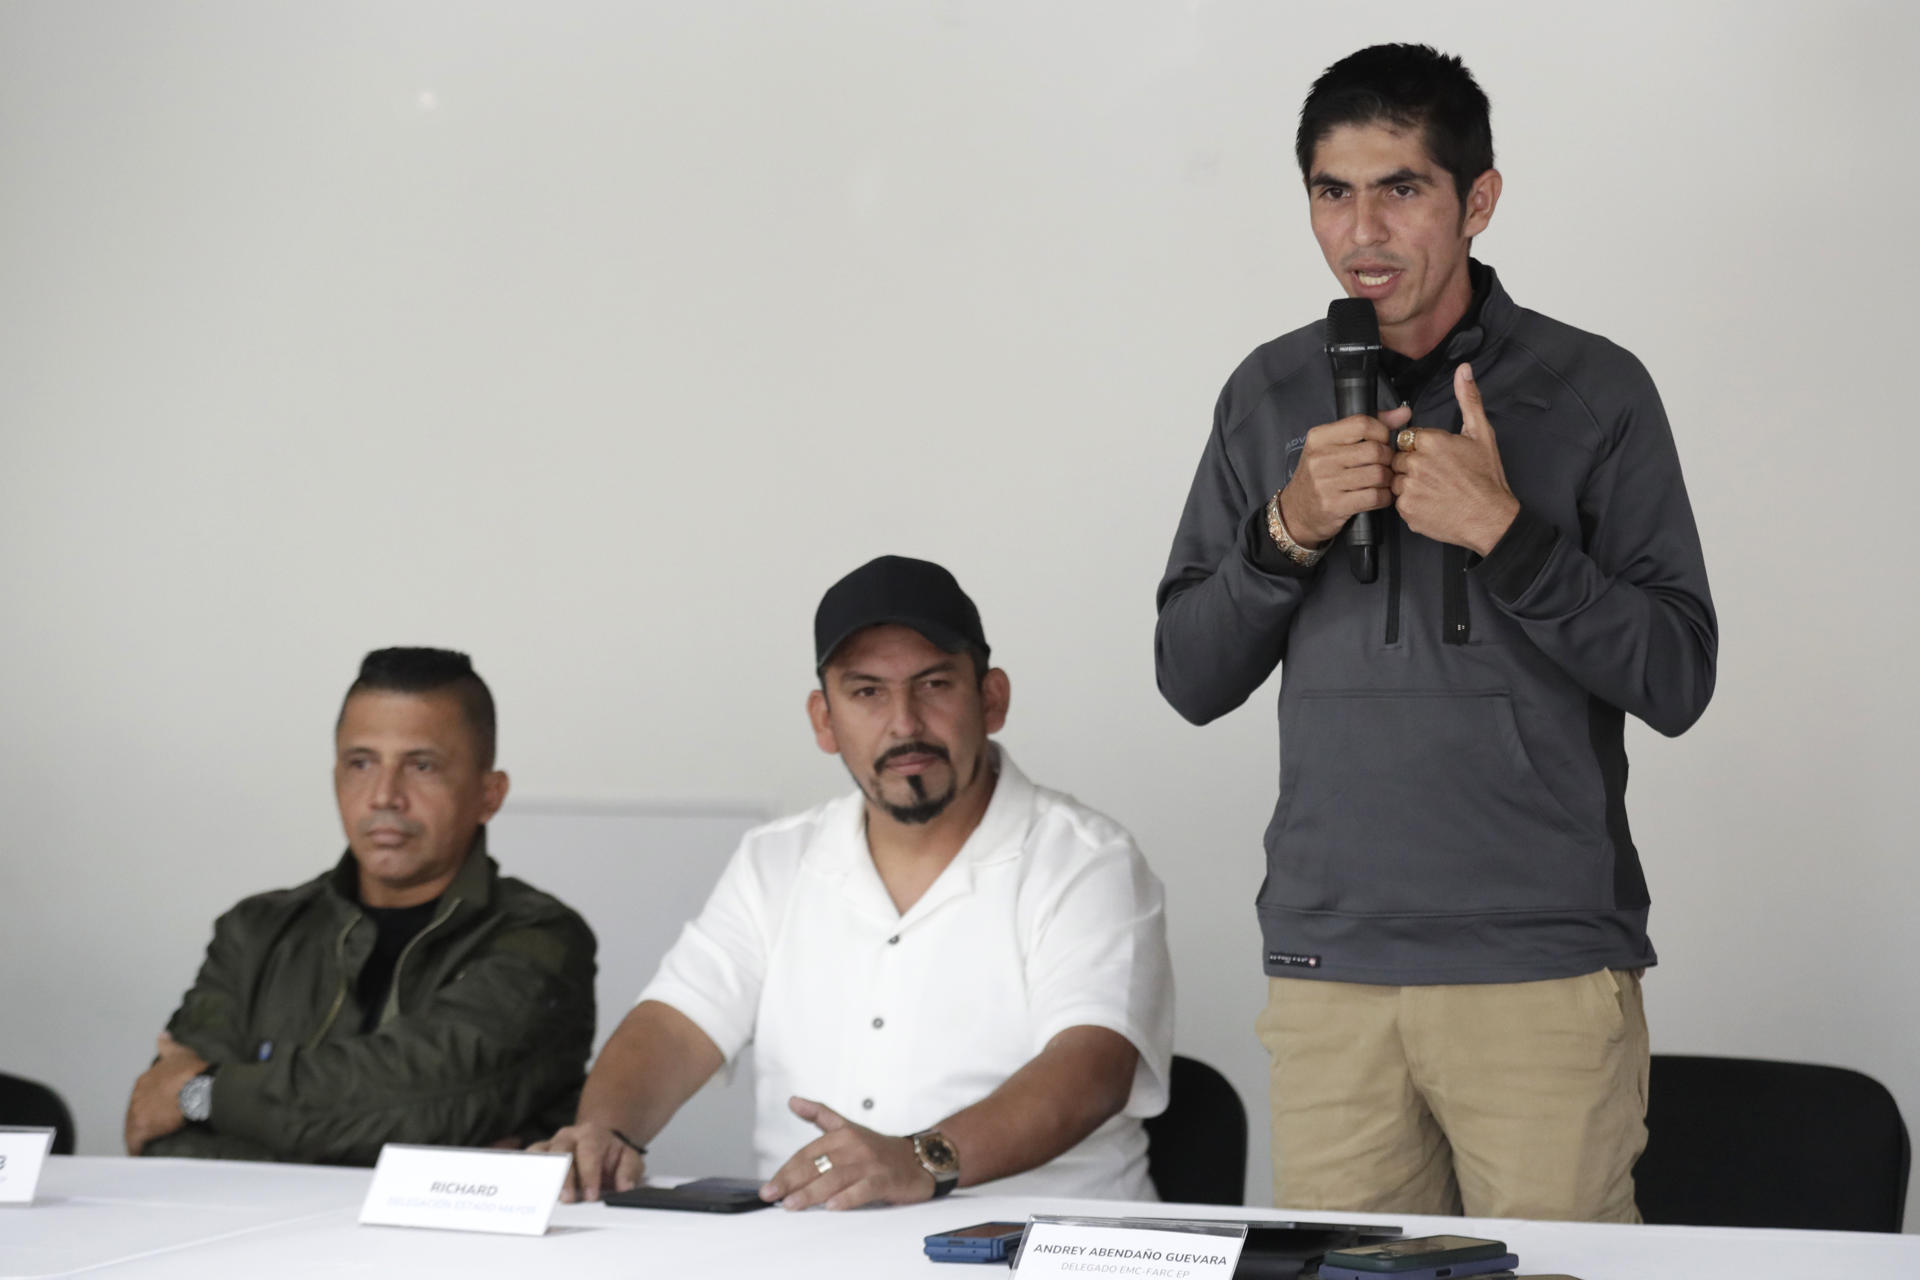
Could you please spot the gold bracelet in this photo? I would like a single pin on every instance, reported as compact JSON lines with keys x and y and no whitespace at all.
{"x":1277,"y":530}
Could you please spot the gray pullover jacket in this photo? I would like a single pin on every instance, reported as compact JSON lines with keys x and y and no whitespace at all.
{"x":1453,"y":777}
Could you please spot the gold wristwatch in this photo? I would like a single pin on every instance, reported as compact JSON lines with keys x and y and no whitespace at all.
{"x":937,"y":1157}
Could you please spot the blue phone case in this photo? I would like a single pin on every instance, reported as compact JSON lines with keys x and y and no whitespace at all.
{"x":946,"y":1247}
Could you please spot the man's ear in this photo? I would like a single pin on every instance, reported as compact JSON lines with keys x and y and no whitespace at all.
{"x":996,"y":694}
{"x":1477,"y":210}
{"x":493,"y":793}
{"x":822,"y":718}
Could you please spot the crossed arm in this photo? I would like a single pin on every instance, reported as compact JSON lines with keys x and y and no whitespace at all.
{"x":154,"y":1109}
{"x":476,"y":1061}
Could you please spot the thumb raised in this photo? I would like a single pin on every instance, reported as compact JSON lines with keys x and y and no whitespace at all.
{"x":1473,"y":413}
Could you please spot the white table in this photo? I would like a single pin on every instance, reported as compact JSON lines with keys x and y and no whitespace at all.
{"x":93,"y":1211}
{"x":201,"y":1219}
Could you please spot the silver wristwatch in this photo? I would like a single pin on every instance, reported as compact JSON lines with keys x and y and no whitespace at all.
{"x":937,"y":1157}
{"x":196,"y":1098}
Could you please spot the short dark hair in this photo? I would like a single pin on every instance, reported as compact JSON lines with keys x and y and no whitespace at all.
{"x":1406,"y":86}
{"x":416,"y":670}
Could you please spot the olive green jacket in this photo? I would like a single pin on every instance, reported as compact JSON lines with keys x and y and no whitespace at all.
{"x":484,"y":1034}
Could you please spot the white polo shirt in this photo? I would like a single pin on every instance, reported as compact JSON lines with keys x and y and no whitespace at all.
{"x":1047,"y":918}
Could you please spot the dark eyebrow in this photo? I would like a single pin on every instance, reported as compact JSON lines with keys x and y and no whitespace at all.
{"x":417,"y":753}
{"x":861,"y":677}
{"x":1397,"y":178}
{"x":1404,"y":175}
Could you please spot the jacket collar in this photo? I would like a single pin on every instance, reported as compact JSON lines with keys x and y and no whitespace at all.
{"x":1489,"y":328}
{"x":1477,"y":333}
{"x":473,"y":883}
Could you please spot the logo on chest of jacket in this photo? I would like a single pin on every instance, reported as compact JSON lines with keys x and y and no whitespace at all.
{"x":1292,"y":960}
{"x":1293,"y":460}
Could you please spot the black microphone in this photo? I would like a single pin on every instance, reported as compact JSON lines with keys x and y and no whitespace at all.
{"x":1353,"y":346}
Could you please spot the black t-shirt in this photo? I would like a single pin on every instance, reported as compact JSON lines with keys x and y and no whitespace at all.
{"x":1408,"y":375}
{"x":396,"y":927}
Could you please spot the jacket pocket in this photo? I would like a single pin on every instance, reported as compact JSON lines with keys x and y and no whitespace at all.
{"x":1422,"y":803}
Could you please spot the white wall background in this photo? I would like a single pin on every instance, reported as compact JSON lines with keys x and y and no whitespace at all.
{"x":638,"y":873}
{"x":598,"y":338}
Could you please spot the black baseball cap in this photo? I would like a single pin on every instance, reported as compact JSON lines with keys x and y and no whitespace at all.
{"x":895,"y":589}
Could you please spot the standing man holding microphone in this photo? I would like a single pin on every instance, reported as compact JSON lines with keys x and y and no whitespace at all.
{"x":1454,"y":918}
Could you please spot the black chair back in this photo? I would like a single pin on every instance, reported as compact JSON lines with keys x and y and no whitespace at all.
{"x":1197,"y":1147}
{"x":1740,"y":1142}
{"x":30,"y":1103}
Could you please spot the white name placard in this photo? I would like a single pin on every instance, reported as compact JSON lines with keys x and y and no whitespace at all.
{"x":23,"y":1152}
{"x":464,"y":1189}
{"x":1130,"y":1249}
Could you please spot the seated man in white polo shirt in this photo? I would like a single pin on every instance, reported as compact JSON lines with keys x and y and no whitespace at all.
{"x":949,"y":976}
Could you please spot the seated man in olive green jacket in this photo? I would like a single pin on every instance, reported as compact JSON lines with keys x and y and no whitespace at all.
{"x":412,"y":993}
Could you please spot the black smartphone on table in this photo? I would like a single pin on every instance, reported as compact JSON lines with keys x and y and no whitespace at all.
{"x":1419,"y":1258}
{"x":702,"y":1195}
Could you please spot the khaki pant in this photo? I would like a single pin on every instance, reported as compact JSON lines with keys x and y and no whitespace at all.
{"x":1506,"y":1100}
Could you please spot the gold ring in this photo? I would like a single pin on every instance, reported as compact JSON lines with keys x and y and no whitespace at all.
{"x":823,"y":1163}
{"x":1405,"y":441}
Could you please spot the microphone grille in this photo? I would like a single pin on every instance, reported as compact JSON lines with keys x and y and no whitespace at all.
{"x":1351,"y":322}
